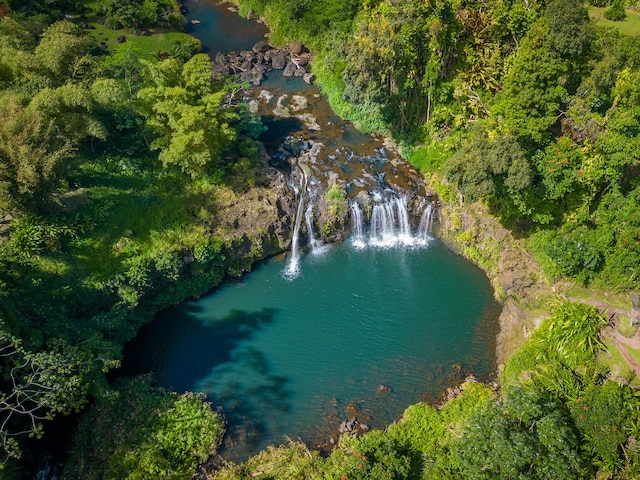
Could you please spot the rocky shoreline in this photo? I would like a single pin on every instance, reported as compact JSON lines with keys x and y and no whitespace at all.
{"x":252,"y":65}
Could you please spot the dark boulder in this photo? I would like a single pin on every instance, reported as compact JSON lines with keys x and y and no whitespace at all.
{"x":296,"y":48}
{"x":289,"y":70}
{"x":301,"y":61}
{"x":261,"y":47}
{"x":278,"y":60}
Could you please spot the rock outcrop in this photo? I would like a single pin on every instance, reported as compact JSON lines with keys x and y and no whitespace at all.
{"x":252,"y":65}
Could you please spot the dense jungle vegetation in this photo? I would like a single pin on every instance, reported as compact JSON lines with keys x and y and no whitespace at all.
{"x":110,"y":153}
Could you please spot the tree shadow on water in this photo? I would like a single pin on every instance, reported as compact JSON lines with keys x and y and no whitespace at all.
{"x":253,"y":397}
{"x":186,"y":353}
{"x":180,"y":349}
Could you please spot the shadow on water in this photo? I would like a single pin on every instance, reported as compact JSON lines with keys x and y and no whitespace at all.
{"x":181,"y":349}
{"x":187,"y":352}
{"x":251,"y":396}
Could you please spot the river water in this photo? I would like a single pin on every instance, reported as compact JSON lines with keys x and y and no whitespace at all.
{"x":364,"y":330}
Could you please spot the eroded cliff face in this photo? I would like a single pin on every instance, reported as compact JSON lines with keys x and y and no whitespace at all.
{"x":257,"y":222}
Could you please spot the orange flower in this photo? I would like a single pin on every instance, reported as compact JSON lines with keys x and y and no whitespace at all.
{"x":614,"y":428}
{"x":365,"y":458}
{"x":344,"y":476}
{"x":579,"y":172}
{"x":360,"y":466}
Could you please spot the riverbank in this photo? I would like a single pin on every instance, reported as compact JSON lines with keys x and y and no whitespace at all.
{"x":519,"y":282}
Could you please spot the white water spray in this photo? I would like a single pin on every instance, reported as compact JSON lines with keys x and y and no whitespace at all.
{"x":292,"y":269}
{"x":426,"y":225}
{"x":357,"y":228}
{"x":315,"y":244}
{"x":390,"y":223}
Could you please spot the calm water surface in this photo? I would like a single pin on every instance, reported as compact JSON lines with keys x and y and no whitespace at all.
{"x":286,"y":357}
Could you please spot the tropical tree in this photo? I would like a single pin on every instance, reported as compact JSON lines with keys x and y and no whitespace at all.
{"x":32,"y":157}
{"x":191,"y":126}
{"x":37,"y":386}
{"x":61,"y":44}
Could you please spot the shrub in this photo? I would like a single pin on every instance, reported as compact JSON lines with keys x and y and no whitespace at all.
{"x":141,"y":432}
{"x":615,"y":12}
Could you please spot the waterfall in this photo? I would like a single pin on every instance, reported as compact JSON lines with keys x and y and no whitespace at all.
{"x":292,"y":269}
{"x":390,"y":223}
{"x":404,"y":227}
{"x":357,"y":230}
{"x":314,"y":243}
{"x":426,"y":225}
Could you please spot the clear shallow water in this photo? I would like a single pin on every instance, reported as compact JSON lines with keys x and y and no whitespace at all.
{"x":286,"y":357}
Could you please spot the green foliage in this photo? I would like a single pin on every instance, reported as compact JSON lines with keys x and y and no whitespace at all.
{"x":570,"y":336}
{"x":601,"y":413}
{"x":192,"y":128}
{"x":139,"y":432}
{"x":60,"y":46}
{"x":486,"y":168}
{"x":615,"y":12}
{"x":41,"y":384}
{"x":374,"y":455}
{"x":520,"y":436}
{"x":570,"y":30}
{"x":32,"y":157}
{"x":534,"y":87}
{"x":139,"y":14}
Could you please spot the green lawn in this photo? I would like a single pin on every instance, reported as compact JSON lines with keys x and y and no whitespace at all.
{"x":157,"y":40}
{"x":629,"y":26}
{"x":618,"y":366}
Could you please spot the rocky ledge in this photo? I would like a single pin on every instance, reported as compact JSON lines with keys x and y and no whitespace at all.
{"x":252,"y":65}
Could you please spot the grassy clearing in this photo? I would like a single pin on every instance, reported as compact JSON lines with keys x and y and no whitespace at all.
{"x":635,"y":354}
{"x":157,"y":40}
{"x":625,"y":326}
{"x":580,"y":292}
{"x":614,"y":361}
{"x":629,"y":26}
{"x":142,"y":214}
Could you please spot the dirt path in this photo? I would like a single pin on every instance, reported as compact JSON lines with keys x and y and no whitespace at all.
{"x":620,"y":340}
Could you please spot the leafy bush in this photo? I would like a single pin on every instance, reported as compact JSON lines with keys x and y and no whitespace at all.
{"x":615,"y":12}
{"x":520,"y":436}
{"x":139,"y":432}
{"x":141,"y":14}
{"x":570,"y":336}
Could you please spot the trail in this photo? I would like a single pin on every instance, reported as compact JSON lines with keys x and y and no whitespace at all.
{"x":620,"y":340}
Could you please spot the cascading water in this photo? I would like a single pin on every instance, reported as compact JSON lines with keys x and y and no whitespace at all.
{"x":404,"y":227}
{"x":382,"y":232}
{"x":390,"y":223}
{"x":357,"y":228}
{"x":426,"y":225}
{"x":315,"y":244}
{"x":293,"y":266}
